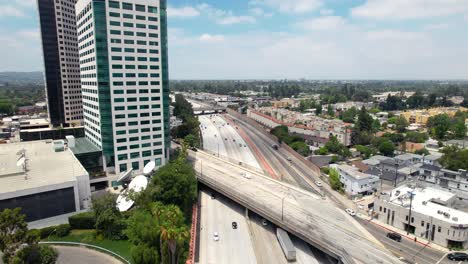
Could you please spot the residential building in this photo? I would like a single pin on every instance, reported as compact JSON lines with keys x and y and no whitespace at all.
{"x":356,"y":182}
{"x":425,"y":212}
{"x":422,"y":116}
{"x":61,"y":61}
{"x":44,"y":178}
{"x":310,"y":127}
{"x":124,"y":77}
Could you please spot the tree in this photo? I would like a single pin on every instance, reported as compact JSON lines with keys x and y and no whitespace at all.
{"x":400,"y":124}
{"x":439,"y":125}
{"x":459,"y":129}
{"x":36,"y":254}
{"x":330,"y":111}
{"x":192,"y":141}
{"x":109,"y":221}
{"x":143,"y":231}
{"x":176,"y":183}
{"x":416,"y":137}
{"x":364,"y":122}
{"x":14,"y":234}
{"x":334,"y":178}
{"x":416,"y":100}
{"x":182,"y":108}
{"x":349,"y":115}
{"x":365,"y":151}
{"x":318,"y":109}
{"x":301,"y":148}
{"x":422,"y":151}
{"x":454,"y":158}
{"x":387,"y":148}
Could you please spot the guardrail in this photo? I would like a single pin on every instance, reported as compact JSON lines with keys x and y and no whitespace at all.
{"x":193,"y":235}
{"x":77,"y":244}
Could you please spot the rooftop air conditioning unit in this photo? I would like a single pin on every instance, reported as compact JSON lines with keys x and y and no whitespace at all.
{"x":424,"y":202}
{"x":455,"y":219}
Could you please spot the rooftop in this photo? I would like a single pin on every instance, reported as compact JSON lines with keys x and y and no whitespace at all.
{"x":45,"y":167}
{"x":428,"y":201}
{"x":354,"y":172}
{"x":83,"y":145}
{"x":408,"y":156}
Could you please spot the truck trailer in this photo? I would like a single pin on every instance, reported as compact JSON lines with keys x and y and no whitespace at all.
{"x":286,"y":245}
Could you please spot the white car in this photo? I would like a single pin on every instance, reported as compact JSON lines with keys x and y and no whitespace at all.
{"x":264,"y":222}
{"x":216,"y":236}
{"x":319,"y":184}
{"x":350,"y":211}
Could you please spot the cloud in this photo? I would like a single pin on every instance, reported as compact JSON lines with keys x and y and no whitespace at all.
{"x":11,"y":11}
{"x":257,"y":11}
{"x":289,"y":6}
{"x":182,"y":12}
{"x":409,"y":9}
{"x":436,"y":26}
{"x":26,"y":3}
{"x":326,"y":12}
{"x":322,"y":23}
{"x":29,"y":34}
{"x":211,"y":38}
{"x":223,"y":17}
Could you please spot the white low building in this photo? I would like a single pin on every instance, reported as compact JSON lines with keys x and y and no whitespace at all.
{"x":432,"y":215}
{"x":44,"y":178}
{"x":356,"y":182}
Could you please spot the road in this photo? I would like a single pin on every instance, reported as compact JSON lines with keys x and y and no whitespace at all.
{"x":79,"y":255}
{"x":302,"y":213}
{"x":234,"y":245}
{"x":408,"y":249}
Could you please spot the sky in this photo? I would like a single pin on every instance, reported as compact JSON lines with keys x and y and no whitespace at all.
{"x":286,"y":39}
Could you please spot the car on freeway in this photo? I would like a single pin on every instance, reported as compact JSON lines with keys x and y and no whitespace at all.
{"x":289,"y":158}
{"x":318,"y":183}
{"x":233,"y":140}
{"x":234,"y":225}
{"x":350,"y":211}
{"x":213,"y":196}
{"x":240,"y":145}
{"x":458,"y":256}
{"x":394,"y":236}
{"x":264,"y":222}
{"x":225,"y":138}
{"x":215,"y":236}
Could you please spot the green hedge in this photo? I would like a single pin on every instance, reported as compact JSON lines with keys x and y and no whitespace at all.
{"x":82,"y":221}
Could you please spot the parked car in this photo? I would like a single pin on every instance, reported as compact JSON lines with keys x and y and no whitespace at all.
{"x":264,"y":222}
{"x":350,"y":211}
{"x":215,"y":236}
{"x":458,"y":256}
{"x":318,"y":183}
{"x":394,"y":236}
{"x":234,"y":225}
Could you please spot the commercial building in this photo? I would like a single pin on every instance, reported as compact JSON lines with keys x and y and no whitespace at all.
{"x":124,"y":78}
{"x":62,"y":69}
{"x":425,"y":212}
{"x":356,"y":182}
{"x":43,"y":178}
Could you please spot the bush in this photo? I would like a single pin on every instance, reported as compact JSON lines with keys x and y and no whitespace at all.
{"x":46,"y":231}
{"x":82,"y":221}
{"x":325,"y":170}
{"x":62,"y":230}
{"x":36,"y":254}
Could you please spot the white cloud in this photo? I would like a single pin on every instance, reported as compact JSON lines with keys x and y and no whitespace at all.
{"x":183,"y":12}
{"x":409,"y":9}
{"x":289,"y":6}
{"x":11,"y":11}
{"x":326,"y":12}
{"x":30,"y":34}
{"x":27,"y":3}
{"x":437,"y":26}
{"x":211,"y":38}
{"x":223,"y":17}
{"x":257,"y":11}
{"x":322,"y":23}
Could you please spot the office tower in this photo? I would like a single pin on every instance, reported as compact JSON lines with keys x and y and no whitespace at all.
{"x":62,"y":69}
{"x":124,"y":78}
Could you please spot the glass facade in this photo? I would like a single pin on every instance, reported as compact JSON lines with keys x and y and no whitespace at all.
{"x":165,"y":74}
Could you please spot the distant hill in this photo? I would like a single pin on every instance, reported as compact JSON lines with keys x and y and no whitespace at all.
{"x":21,"y":78}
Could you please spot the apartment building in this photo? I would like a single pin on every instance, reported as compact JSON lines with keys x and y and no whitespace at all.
{"x":356,"y":182}
{"x":425,"y":212}
{"x":124,"y":77}
{"x":61,"y":62}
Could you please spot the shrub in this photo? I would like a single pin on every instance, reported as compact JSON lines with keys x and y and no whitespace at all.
{"x":82,"y":221}
{"x":62,"y":230}
{"x":36,"y":254}
{"x":47,"y":231}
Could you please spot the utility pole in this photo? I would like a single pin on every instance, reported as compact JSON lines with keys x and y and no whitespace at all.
{"x":409,"y":215}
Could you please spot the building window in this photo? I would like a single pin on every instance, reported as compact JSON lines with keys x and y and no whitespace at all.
{"x":135,"y":165}
{"x":127,"y":6}
{"x":412,"y":219}
{"x":422,"y":223}
{"x":114,"y":4}
{"x":140,"y":8}
{"x":406,"y":218}
{"x":439,"y":229}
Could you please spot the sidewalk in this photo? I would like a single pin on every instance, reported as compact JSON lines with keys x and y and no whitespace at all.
{"x":390,"y":228}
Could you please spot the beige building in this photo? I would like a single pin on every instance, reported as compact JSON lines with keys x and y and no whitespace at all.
{"x":422,"y":116}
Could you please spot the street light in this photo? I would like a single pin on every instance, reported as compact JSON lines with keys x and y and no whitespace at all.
{"x":410,"y":207}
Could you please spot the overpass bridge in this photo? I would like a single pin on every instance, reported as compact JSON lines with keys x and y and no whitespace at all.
{"x":207,"y":109}
{"x":306,"y":215}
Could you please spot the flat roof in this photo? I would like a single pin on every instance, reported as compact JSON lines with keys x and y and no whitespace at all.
{"x":429,"y":208}
{"x":44,"y":166}
{"x":354,"y":172}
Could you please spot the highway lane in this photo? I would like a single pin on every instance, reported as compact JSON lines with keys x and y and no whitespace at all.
{"x":234,"y":245}
{"x":305,"y":214}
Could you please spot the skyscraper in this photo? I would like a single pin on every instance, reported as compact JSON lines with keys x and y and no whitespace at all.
{"x":124,"y":78}
{"x":62,"y":71}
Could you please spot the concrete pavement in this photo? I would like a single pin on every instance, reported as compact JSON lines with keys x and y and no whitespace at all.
{"x":82,"y":255}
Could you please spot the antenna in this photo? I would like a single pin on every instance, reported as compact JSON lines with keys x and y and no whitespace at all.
{"x":22,"y":161}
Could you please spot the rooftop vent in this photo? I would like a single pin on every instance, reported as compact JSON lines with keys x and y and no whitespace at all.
{"x":455,"y":219}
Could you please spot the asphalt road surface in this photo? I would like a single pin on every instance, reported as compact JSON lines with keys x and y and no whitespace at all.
{"x":81,"y":255}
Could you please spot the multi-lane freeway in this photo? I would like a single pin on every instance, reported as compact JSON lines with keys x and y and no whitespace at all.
{"x":301,"y":213}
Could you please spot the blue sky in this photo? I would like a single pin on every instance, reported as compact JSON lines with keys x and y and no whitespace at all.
{"x":276,"y":39}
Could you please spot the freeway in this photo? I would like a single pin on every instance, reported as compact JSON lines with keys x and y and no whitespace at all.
{"x":301,"y":213}
{"x":234,"y":245}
